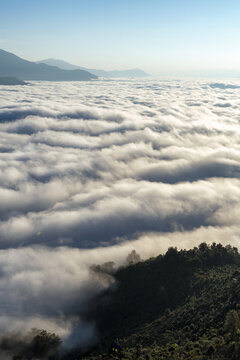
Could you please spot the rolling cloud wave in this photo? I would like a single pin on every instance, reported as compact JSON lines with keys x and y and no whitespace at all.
{"x":112,"y":165}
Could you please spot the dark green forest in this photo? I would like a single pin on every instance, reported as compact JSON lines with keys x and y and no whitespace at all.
{"x":181,"y":305}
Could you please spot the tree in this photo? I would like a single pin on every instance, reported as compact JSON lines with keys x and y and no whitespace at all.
{"x":133,"y":258}
{"x":232,"y":325}
{"x":44,"y":343}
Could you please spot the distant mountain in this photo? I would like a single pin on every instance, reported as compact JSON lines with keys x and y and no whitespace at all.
{"x":109,"y":74}
{"x":14,"y":66}
{"x":128,"y":73}
{"x":61,"y":64}
{"x":9,"y":80}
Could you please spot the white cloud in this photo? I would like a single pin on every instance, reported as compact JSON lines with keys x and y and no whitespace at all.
{"x":110,"y":165}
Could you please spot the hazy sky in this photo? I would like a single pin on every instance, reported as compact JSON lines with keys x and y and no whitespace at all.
{"x":159,"y":36}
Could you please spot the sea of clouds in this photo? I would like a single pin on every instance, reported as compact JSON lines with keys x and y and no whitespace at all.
{"x":90,"y":171}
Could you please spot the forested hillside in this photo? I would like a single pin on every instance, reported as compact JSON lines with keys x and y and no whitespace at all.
{"x":183,"y":305}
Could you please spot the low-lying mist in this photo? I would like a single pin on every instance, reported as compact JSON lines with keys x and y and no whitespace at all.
{"x":91,"y":171}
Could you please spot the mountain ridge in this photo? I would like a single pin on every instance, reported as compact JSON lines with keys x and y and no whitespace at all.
{"x":98,"y":72}
{"x":12,"y":65}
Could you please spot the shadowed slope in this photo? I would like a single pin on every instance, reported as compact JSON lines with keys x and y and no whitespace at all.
{"x":9,"y":80}
{"x":12,"y":65}
{"x":176,"y":306}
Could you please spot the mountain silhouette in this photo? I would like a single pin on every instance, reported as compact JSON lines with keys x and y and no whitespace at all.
{"x":14,"y":66}
{"x":108,"y":74}
{"x":9,"y":80}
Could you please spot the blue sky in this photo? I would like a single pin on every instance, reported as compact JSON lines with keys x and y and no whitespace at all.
{"x":161,"y":37}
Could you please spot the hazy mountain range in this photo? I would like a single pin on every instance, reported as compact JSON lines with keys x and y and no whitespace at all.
{"x":102,"y":73}
{"x":14,"y":66}
{"x":54,"y":70}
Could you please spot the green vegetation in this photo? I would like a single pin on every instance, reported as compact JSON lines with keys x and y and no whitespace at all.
{"x":183,"y":305}
{"x":37,"y":344}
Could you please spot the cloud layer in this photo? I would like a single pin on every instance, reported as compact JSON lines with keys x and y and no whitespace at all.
{"x":112,"y":165}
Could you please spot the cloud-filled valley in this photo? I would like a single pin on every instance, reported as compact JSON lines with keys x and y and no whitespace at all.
{"x":90,"y":171}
